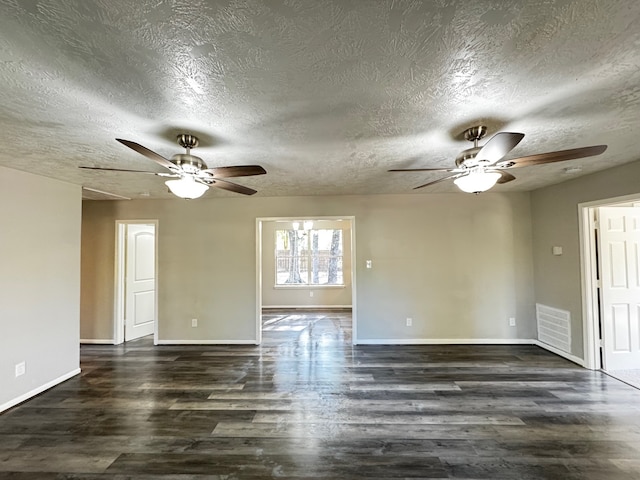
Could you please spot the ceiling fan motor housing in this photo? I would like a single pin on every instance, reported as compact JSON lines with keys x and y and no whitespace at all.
{"x":189,"y":163}
{"x":466,"y":158}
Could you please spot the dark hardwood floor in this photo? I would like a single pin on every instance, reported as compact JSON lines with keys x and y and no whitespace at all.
{"x":306,"y":404}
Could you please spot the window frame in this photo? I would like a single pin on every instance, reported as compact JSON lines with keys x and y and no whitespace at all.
{"x":308,"y":257}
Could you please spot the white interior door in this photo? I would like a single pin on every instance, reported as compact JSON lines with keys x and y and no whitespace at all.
{"x":619,"y":240}
{"x":140,"y":294}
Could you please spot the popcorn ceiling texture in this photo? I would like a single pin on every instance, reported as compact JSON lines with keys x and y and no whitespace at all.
{"x":326,"y":95}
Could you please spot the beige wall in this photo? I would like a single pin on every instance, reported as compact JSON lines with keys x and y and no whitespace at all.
{"x":297,"y":296}
{"x":555,"y":223}
{"x":39,"y":283}
{"x":459,"y":265}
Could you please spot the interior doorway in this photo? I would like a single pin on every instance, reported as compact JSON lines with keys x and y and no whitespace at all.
{"x":311,"y":289}
{"x":136,"y":307}
{"x":610,"y":248}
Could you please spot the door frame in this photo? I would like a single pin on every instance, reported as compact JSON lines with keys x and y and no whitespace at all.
{"x":120,"y":278}
{"x":588,"y":274}
{"x":352,"y":223}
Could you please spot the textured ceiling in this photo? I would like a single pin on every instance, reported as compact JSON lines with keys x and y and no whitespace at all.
{"x":326,"y":95}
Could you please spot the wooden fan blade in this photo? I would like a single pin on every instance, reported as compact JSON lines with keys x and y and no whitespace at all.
{"x":422,"y":170}
{"x":232,"y":187}
{"x":159,"y":159}
{"x":237,"y":171}
{"x":498,"y":146}
{"x":505,"y":177}
{"x":440,"y":180}
{"x":133,"y":171}
{"x":559,"y":156}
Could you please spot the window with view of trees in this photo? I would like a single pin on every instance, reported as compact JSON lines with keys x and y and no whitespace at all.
{"x":309,"y":257}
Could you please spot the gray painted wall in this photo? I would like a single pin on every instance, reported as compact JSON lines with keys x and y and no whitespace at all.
{"x":459,"y":265}
{"x":39,"y":282}
{"x":555,"y":222}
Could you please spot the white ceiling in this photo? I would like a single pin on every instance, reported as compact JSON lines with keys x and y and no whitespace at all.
{"x":326,"y":95}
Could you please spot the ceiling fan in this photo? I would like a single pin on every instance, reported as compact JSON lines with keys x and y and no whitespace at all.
{"x":480,"y":168}
{"x":193,"y":177}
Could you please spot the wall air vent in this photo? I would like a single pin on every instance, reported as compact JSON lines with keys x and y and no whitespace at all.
{"x":554,"y":327}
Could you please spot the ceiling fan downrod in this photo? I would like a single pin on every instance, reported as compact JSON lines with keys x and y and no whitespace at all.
{"x":474,"y":134}
{"x":188,"y":163}
{"x":187,"y":141}
{"x":466,"y":158}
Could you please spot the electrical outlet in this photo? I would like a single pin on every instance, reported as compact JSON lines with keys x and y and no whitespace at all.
{"x":512,"y":321}
{"x":368,"y":263}
{"x":409,"y":321}
{"x":21,"y":368}
{"x":194,"y":322}
{"x":311,"y":294}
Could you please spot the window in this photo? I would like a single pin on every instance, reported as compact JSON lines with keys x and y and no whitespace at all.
{"x":309,"y":257}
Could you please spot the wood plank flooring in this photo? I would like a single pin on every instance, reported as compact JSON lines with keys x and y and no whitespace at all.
{"x":306,"y":404}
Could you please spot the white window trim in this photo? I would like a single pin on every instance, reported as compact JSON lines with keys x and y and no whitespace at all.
{"x":305,"y":286}
{"x":308,"y":286}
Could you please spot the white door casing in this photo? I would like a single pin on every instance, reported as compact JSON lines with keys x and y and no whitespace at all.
{"x":619,"y":241}
{"x":140,"y":295}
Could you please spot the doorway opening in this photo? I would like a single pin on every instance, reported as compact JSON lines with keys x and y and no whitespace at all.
{"x":295,"y":270}
{"x":610,"y":283}
{"x":136,"y":289}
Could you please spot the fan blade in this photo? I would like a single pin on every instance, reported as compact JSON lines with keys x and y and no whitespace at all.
{"x":237,"y":171}
{"x":149,"y":154}
{"x":498,"y":146}
{"x":505,"y":177}
{"x":133,"y":171}
{"x":422,"y":170}
{"x":440,"y":180}
{"x":232,"y":187}
{"x":559,"y":156}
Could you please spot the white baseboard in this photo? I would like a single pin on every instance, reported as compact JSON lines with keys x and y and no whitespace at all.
{"x":98,"y":341}
{"x":377,"y":341}
{"x":40,"y":389}
{"x":206,"y":342}
{"x":559,"y":352}
{"x":306,"y":307}
{"x":471,"y":341}
{"x":446,"y":341}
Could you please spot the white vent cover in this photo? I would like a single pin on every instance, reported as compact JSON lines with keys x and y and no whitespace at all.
{"x":93,"y":194}
{"x":554,"y":327}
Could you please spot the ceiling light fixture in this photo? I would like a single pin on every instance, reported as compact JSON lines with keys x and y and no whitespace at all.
{"x":306,"y":225}
{"x":186,"y":187}
{"x":476,"y":181}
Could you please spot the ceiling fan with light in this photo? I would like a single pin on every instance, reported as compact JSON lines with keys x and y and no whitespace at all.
{"x":192,"y":177}
{"x":479,"y":168}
